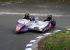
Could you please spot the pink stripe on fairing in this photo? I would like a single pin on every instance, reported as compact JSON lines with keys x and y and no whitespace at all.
{"x":18,"y":27}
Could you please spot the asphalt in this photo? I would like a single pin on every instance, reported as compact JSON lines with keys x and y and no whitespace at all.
{"x":9,"y":40}
{"x":36,"y":8}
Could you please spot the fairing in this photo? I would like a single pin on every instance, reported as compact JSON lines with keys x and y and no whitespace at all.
{"x":39,"y":25}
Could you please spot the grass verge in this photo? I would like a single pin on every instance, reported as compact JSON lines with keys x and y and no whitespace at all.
{"x":57,"y":41}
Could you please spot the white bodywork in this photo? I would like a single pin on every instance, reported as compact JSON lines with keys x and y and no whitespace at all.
{"x":39,"y":24}
{"x":23,"y":21}
{"x":32,"y":24}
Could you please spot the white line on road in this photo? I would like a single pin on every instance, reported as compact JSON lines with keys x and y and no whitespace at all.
{"x":47,"y":34}
{"x":68,"y":29}
{"x":56,"y":31}
{"x":32,"y":40}
{"x":28,"y":49}
{"x":29,"y":45}
{"x":36,"y":14}
{"x":39,"y":37}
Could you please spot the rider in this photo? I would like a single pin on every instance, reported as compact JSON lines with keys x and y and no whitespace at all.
{"x":49,"y":17}
{"x":27,"y":16}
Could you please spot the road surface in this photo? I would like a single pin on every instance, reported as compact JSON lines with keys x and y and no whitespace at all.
{"x":9,"y":40}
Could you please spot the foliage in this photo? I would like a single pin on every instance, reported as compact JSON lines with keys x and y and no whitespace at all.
{"x":57,"y":41}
